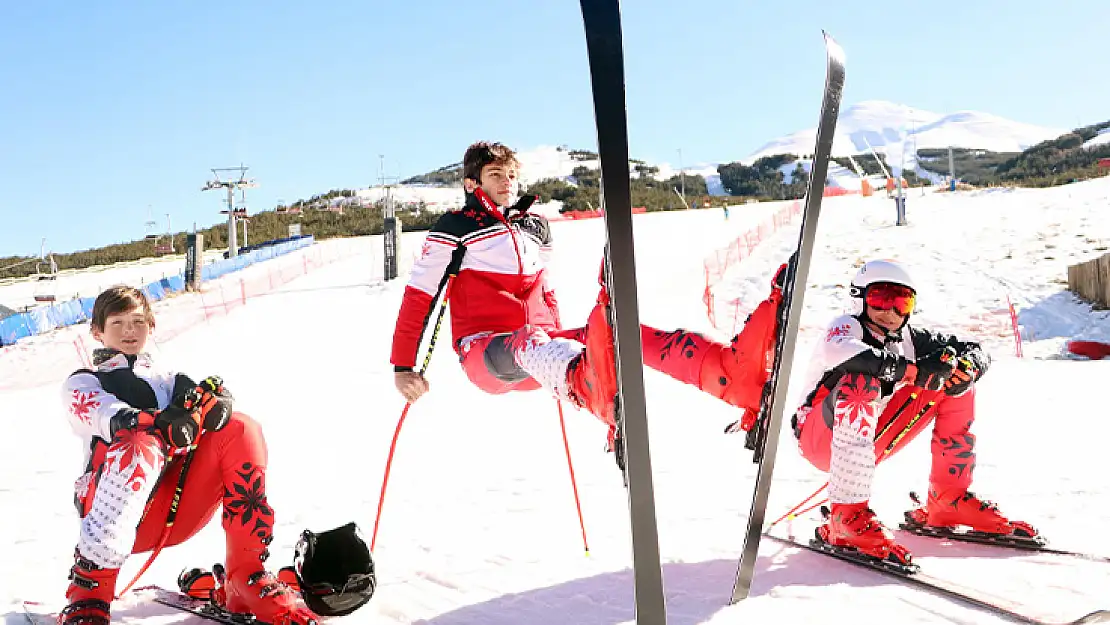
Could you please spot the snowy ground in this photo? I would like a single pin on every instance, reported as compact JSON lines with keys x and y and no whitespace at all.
{"x":479,"y":524}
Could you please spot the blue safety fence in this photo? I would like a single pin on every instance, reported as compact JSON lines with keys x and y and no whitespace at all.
{"x":42,"y":319}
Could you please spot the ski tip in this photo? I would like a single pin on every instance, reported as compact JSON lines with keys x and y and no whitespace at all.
{"x":1101,"y":616}
{"x":834,"y":48}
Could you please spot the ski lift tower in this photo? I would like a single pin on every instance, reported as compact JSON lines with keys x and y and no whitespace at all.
{"x":231,"y":183}
{"x":391,"y":225}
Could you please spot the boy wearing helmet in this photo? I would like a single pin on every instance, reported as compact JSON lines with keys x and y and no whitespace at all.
{"x":877,"y":383}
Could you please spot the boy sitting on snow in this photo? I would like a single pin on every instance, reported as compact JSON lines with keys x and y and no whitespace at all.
{"x":137,"y":420}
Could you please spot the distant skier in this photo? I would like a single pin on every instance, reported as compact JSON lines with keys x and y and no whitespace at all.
{"x":505,"y":318}
{"x":872,"y":375}
{"x":137,"y":420}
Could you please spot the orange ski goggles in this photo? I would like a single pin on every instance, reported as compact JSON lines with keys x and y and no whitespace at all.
{"x":887,"y":296}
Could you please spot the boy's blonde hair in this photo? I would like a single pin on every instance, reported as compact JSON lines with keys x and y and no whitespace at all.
{"x":120,"y":299}
{"x":483,"y":153}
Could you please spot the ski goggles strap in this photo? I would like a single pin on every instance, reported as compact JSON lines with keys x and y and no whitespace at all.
{"x":888,"y":296}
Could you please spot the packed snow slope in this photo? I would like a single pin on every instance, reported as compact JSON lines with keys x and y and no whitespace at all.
{"x":479,"y":525}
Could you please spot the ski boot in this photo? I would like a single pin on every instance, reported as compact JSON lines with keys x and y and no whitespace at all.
{"x":90,"y":593}
{"x":854,"y":526}
{"x":954,"y":507}
{"x":262,"y":594}
{"x":592,"y":375}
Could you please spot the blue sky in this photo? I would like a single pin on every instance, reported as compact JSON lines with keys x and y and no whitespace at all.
{"x":111,"y":107}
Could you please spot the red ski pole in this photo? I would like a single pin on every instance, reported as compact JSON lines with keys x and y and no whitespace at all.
{"x":405,"y":411}
{"x":795,"y":511}
{"x":573,"y":482}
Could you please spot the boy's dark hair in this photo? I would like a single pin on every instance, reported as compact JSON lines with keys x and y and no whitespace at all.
{"x":120,"y":299}
{"x":483,"y":153}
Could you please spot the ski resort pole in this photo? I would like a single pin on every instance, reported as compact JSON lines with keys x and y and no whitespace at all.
{"x":405,"y":411}
{"x":573,"y":482}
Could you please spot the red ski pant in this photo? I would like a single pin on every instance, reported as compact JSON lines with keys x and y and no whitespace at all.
{"x":953,"y":444}
{"x":218,"y":455}
{"x":733,"y":372}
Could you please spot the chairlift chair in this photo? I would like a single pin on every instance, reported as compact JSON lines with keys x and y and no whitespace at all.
{"x":45,"y":281}
{"x":46,"y":286}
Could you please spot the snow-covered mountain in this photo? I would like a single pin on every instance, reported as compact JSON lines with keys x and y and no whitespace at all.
{"x":893,"y":128}
{"x":1102,"y":138}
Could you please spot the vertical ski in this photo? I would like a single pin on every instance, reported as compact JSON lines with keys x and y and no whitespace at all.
{"x":604,"y":46}
{"x":766,"y":431}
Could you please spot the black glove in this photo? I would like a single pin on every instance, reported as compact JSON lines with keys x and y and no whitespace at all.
{"x":934,"y":369}
{"x":208,"y":404}
{"x":178,"y":424}
{"x":969,"y":368}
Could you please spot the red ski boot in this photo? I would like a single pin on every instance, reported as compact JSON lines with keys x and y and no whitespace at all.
{"x":245,"y":585}
{"x":954,"y":507}
{"x":90,"y":594}
{"x":854,"y":525}
{"x":592,"y":375}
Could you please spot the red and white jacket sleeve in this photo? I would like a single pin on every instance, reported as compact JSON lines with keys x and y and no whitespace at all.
{"x":89,"y":407}
{"x":845,"y":351}
{"x":416,"y":307}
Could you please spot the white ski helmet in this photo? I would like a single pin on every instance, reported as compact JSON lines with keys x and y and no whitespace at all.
{"x":877,"y":271}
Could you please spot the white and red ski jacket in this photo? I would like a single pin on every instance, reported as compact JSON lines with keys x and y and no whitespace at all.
{"x":849,"y":348}
{"x":499,"y":260}
{"x":119,"y":384}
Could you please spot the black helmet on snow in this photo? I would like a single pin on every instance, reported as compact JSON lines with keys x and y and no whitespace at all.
{"x":335,"y":570}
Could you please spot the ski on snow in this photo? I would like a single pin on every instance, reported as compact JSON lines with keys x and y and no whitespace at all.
{"x":764,"y":435}
{"x":40,"y":614}
{"x":604,"y":46}
{"x":1031,"y":545}
{"x":204,"y":608}
{"x":945,"y":588}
